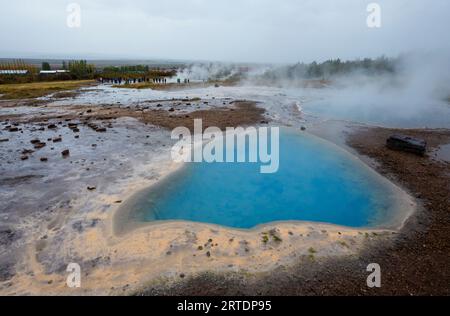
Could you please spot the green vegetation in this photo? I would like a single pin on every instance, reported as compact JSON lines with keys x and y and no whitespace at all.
{"x":136,"y":72}
{"x":331,"y":68}
{"x":39,"y":89}
{"x":78,"y":70}
{"x":81,"y":70}
{"x":271,"y":234}
{"x":32,"y":72}
{"x":46,"y":66}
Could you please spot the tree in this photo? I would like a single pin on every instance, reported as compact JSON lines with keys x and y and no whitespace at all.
{"x":46,"y":66}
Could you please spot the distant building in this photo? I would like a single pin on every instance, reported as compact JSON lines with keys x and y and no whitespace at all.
{"x":13,"y":72}
{"x":53,"y":72}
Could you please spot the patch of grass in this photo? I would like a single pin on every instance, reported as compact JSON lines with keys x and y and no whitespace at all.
{"x":276,"y":238}
{"x":312,"y":250}
{"x":272,"y":234}
{"x":344,"y":244}
{"x":39,"y":89}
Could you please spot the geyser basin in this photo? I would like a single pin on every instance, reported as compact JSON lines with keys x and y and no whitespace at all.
{"x":316,"y":181}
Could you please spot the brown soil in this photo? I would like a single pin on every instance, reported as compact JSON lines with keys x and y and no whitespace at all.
{"x":243,"y":113}
{"x":414,"y":262}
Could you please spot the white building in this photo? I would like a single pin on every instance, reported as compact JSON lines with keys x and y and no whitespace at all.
{"x":53,"y":72}
{"x":13,"y":72}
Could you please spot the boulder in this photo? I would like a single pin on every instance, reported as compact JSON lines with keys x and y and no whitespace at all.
{"x":65,"y":153}
{"x":407,"y":144}
{"x":40,"y":145}
{"x":27,"y":151}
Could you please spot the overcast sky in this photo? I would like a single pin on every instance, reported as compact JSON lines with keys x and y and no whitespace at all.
{"x":225,"y":30}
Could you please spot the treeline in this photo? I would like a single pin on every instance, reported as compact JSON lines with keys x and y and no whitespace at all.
{"x":332,"y":68}
{"x":17,"y":65}
{"x":76,"y":70}
{"x":80,"y":69}
{"x":125,"y":69}
{"x":135,"y":72}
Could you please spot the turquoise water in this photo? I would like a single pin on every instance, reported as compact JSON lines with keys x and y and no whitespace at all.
{"x":315,"y":182}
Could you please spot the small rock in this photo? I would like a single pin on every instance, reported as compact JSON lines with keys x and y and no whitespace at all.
{"x":65,"y":153}
{"x":91,"y":188}
{"x":52,"y":126}
{"x":24,"y":158}
{"x":57,"y":139}
{"x":40,"y":145}
{"x":13,"y":129}
{"x":44,"y":159}
{"x":4,"y":140}
{"x":27,"y":151}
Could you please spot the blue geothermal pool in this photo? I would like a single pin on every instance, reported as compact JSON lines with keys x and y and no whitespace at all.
{"x":316,"y":181}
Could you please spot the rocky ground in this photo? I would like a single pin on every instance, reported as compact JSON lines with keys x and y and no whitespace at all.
{"x":65,"y":168}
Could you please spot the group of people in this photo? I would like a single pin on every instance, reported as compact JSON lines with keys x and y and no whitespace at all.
{"x":120,"y":80}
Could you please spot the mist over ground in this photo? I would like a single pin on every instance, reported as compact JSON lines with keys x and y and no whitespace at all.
{"x":263,"y":43}
{"x":411,"y":90}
